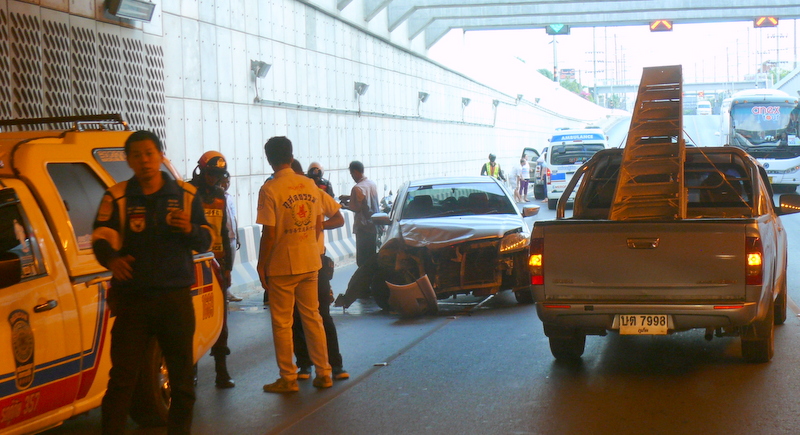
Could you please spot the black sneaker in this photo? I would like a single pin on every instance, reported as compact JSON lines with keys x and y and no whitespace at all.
{"x":340,"y":374}
{"x":304,"y":373}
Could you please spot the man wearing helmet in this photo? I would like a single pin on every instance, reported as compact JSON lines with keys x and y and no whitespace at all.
{"x":492,"y":168}
{"x":315,"y":172}
{"x":211,"y":170}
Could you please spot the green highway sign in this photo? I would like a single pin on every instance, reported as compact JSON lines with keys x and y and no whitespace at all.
{"x":557,"y":29}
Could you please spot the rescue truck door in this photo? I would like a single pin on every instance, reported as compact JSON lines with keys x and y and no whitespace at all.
{"x":39,"y":371}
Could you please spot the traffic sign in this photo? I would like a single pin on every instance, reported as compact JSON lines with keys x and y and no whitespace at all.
{"x":661,"y":26}
{"x":557,"y":29}
{"x":765,"y":22}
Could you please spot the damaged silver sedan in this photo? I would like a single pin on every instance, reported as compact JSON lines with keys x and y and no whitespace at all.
{"x":453,"y":236}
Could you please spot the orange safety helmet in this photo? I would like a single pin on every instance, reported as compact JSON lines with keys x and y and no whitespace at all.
{"x":212,"y":162}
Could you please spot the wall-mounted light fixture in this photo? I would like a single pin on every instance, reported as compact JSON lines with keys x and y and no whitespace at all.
{"x":131,"y":9}
{"x":360,"y":88}
{"x":260,"y":70}
{"x":421,"y":98}
{"x":465,"y":101}
{"x":495,"y":103}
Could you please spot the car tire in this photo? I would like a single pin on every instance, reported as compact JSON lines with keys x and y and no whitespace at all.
{"x":539,"y":191}
{"x":758,"y":338}
{"x":568,"y":348}
{"x":524,"y":296}
{"x":151,"y":399}
{"x":552,"y":203}
{"x":781,"y":303}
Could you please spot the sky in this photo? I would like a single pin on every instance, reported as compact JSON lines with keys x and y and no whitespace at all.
{"x":708,"y":52}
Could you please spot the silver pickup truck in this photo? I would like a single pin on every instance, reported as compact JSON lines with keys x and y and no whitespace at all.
{"x":722,"y":268}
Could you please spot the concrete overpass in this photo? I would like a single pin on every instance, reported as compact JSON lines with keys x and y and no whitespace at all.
{"x":687,"y":87}
{"x":434,"y":18}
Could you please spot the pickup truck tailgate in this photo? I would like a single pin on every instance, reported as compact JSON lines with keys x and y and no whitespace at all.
{"x":650,"y":262}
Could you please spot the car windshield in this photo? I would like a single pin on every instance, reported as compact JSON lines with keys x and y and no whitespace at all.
{"x":574,"y":153}
{"x":456,"y":199}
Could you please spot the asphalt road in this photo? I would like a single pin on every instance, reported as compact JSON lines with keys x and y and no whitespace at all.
{"x":485,"y":367}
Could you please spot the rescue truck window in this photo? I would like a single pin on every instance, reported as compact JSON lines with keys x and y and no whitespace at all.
{"x":15,"y":240}
{"x":113,"y":160}
{"x":81,"y":191}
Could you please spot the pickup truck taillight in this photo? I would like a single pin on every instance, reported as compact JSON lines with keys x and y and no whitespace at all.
{"x":535,"y":261}
{"x":753,"y":258}
{"x":547,"y":175}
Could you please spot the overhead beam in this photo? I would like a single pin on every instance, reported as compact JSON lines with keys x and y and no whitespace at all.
{"x":374,"y":7}
{"x":436,"y":27}
{"x":399,"y":10}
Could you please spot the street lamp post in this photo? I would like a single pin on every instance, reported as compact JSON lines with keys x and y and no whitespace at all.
{"x":555,"y":60}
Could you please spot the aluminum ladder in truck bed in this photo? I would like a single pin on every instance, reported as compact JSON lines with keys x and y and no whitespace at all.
{"x":650,"y":182}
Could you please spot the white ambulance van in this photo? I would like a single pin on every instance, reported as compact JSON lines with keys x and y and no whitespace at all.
{"x":567,"y":151}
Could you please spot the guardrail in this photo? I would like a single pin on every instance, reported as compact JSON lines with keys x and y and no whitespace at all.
{"x":340,"y":245}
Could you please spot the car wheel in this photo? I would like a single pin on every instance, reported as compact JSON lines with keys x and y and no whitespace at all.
{"x":539,"y":192}
{"x":552,"y":203}
{"x":151,"y":399}
{"x":758,"y":339}
{"x":780,"y":303}
{"x":568,"y":348}
{"x":524,"y":296}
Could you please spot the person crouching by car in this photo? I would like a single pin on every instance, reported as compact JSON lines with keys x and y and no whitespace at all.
{"x":210,"y":170}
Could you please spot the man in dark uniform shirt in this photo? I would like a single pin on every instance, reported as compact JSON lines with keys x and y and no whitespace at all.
{"x":144,"y":233}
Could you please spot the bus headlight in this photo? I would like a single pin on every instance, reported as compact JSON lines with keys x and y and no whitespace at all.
{"x":792,"y":170}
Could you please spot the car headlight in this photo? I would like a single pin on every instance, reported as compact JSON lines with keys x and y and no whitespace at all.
{"x":514,"y":242}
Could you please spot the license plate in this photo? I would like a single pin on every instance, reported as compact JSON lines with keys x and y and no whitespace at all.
{"x":771,"y":179}
{"x":643,"y":324}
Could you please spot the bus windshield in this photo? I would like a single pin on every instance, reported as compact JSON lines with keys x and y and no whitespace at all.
{"x":764,"y":125}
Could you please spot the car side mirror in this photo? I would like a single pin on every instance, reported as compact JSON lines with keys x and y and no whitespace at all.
{"x":380,"y":219}
{"x":530,"y":210}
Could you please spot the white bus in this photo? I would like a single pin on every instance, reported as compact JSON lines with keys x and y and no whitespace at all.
{"x":763,"y":122}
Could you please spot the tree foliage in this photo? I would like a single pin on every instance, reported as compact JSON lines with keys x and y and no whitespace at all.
{"x":570,"y":85}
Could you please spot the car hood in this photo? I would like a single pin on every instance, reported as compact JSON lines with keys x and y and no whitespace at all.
{"x":444,"y":231}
